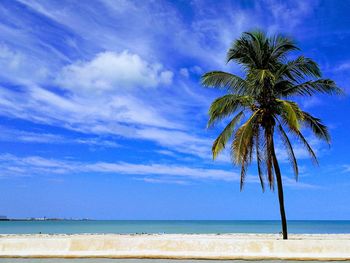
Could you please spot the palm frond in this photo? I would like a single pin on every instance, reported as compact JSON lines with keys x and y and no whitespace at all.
{"x":221,"y":79}
{"x":310,"y":88}
{"x":249,"y":50}
{"x":318,"y":128}
{"x":260,"y":76}
{"x":258,"y":46}
{"x":298,"y":69}
{"x":224,"y":106}
{"x":247,"y":156}
{"x":241,"y":52}
{"x":244,"y":169}
{"x":281,"y":45}
{"x":243,"y":145}
{"x":289,"y":149}
{"x":259,"y":159}
{"x":242,"y":141}
{"x":307,"y":146}
{"x":291,"y":113}
{"x":220,"y":142}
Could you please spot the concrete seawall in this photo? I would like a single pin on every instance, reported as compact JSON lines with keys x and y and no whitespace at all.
{"x":176,"y":246}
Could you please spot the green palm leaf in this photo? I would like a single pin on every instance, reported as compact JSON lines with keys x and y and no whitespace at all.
{"x":226,"y":105}
{"x":243,"y":140}
{"x":291,"y":113}
{"x":307,"y":146}
{"x":309,"y":88}
{"x":259,"y":159}
{"x":289,"y":149}
{"x":220,"y":143}
{"x":280,"y":46}
{"x":220,"y":79}
{"x":318,"y":128}
{"x":298,"y":69}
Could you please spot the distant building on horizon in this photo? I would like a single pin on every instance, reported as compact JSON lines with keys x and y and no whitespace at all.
{"x":3,"y":218}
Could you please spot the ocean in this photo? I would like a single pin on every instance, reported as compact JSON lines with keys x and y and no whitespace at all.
{"x":171,"y":227}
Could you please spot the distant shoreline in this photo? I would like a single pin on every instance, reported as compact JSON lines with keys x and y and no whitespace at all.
{"x":178,"y":246}
{"x":50,"y":219}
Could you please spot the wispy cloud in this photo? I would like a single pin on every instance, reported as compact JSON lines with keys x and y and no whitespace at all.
{"x":162,"y":181}
{"x":342,"y":66}
{"x":12,"y":165}
{"x":15,"y":135}
{"x":35,"y":165}
{"x":346,"y":168}
{"x":287,"y":16}
{"x":292,"y":183}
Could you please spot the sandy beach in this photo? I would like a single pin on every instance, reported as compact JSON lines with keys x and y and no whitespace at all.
{"x":178,"y":246}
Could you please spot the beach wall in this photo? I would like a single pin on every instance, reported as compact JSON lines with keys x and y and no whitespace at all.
{"x":175,"y":246}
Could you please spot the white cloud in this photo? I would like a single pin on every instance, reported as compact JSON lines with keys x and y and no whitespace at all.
{"x":343,"y":66}
{"x":12,"y":165}
{"x":311,"y":102}
{"x":112,"y":72}
{"x":346,"y":168}
{"x":14,"y":135}
{"x":287,"y":16}
{"x":84,"y":110}
{"x":161,"y":169}
{"x":195,"y":70}
{"x":166,"y":153}
{"x":162,"y":181}
{"x":20,"y":66}
{"x":184,"y":72}
{"x":177,"y":140}
{"x":11,"y":58}
{"x":16,"y":166}
{"x":291,"y":182}
{"x":34,"y":165}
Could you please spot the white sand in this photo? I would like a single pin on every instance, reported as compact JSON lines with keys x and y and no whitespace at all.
{"x":178,"y":246}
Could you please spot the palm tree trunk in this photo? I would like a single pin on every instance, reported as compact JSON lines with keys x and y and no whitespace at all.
{"x":280,"y":192}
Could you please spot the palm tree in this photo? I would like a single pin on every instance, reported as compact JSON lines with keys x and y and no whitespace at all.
{"x":261,"y":102}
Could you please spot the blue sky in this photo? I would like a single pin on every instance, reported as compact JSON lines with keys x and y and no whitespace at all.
{"x":102,"y":114}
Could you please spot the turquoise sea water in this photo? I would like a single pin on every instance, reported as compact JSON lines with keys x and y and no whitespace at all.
{"x":188,"y":227}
